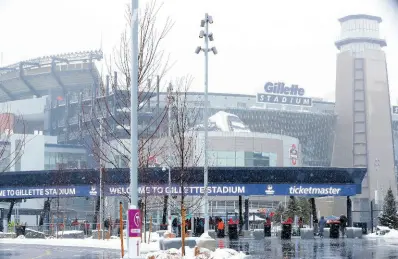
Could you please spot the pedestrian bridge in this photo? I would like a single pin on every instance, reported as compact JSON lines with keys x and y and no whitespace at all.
{"x":223,"y":181}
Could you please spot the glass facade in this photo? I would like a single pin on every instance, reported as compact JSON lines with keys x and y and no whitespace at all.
{"x":65,"y":160}
{"x":241,"y":158}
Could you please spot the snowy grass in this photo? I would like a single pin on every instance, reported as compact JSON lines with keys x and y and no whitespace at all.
{"x":112,"y":243}
{"x":147,"y":249}
{"x":224,"y":253}
{"x":391,"y":234}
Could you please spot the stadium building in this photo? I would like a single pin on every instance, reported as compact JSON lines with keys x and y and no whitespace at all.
{"x":280,"y":126}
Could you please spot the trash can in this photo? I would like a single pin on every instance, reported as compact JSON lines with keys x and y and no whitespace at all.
{"x":20,"y":230}
{"x":267,"y":230}
{"x":233,"y":231}
{"x":163,"y":227}
{"x":334,"y":230}
{"x":286,"y":231}
{"x":362,"y":225}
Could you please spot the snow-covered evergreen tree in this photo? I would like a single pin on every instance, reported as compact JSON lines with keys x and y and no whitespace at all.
{"x":305,"y":209}
{"x":389,"y":216}
{"x":278,"y":213}
{"x":293,"y":208}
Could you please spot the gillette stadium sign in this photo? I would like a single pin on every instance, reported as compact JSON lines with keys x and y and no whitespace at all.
{"x":283,"y":94}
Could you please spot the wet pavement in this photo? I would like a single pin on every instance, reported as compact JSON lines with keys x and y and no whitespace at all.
{"x":265,"y":249}
{"x":316,"y":248}
{"x":11,"y":251}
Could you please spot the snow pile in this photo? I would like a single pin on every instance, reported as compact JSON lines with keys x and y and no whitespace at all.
{"x":227,"y":253}
{"x":384,"y":232}
{"x":205,"y":236}
{"x":154,"y":237}
{"x":228,"y":122}
{"x":224,"y":253}
{"x":70,"y":232}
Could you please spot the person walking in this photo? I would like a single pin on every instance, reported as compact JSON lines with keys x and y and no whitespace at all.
{"x":322,"y":224}
{"x":220,"y":228}
{"x":343,"y":224}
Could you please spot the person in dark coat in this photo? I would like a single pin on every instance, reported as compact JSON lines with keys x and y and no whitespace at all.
{"x":322,"y":224}
{"x":343,"y":224}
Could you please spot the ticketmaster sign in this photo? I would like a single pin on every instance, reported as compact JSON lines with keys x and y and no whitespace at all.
{"x":309,"y":190}
{"x":283,"y":94}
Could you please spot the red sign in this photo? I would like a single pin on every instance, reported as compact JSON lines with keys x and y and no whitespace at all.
{"x":293,"y":153}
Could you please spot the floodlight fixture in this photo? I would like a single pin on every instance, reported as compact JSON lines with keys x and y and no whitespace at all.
{"x":211,"y":36}
{"x":198,"y":49}
{"x":210,"y":19}
{"x":214,"y":50}
{"x":202,"y":23}
{"x":201,"y":34}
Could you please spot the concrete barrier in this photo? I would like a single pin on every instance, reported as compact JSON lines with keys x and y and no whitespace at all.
{"x":246,"y":233}
{"x":307,"y":233}
{"x":8,"y":235}
{"x":212,"y":234}
{"x":161,"y":232}
{"x":75,"y":234}
{"x":168,"y":243}
{"x":258,"y":234}
{"x":353,"y":232}
{"x":206,"y":242}
{"x":102,"y":234}
{"x":30,"y":233}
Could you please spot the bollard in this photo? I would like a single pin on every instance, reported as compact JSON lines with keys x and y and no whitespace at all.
{"x":109,"y":229}
{"x":183,"y":211}
{"x":150,"y":229}
{"x":121,"y":227}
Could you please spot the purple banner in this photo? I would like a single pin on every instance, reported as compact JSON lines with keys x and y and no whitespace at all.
{"x":134,"y":225}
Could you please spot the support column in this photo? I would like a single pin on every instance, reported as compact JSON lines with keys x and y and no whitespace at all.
{"x":246,"y":213}
{"x":371,"y":216}
{"x":240,"y":213}
{"x":313,"y":210}
{"x":349,"y":211}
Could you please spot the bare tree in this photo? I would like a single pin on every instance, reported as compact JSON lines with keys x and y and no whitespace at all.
{"x":184,"y":140}
{"x":12,"y":142}
{"x":106,"y":120}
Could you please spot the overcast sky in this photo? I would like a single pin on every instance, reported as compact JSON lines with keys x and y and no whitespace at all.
{"x":257,"y":40}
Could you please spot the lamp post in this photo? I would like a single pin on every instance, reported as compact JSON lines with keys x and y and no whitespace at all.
{"x":133,"y":244}
{"x":207,"y":36}
{"x":170,"y":101}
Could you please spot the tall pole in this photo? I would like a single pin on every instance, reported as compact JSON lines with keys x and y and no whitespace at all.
{"x":206,"y":123}
{"x":101,"y":218}
{"x":133,"y":121}
{"x":207,"y":36}
{"x":134,"y":106}
{"x":170,"y":97}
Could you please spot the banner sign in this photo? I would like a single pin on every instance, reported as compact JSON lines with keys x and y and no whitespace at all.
{"x":134,"y":223}
{"x":47,"y":192}
{"x":279,"y":93}
{"x":309,"y":190}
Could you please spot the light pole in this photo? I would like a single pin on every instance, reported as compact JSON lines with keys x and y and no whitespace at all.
{"x":171,"y":101}
{"x":207,"y":36}
{"x":133,"y":245}
{"x":134,"y":105}
{"x":377,"y":165}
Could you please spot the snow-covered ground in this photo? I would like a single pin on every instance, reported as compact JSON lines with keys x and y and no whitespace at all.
{"x":224,"y":253}
{"x":390,"y":233}
{"x":112,"y":243}
{"x":148,"y":249}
